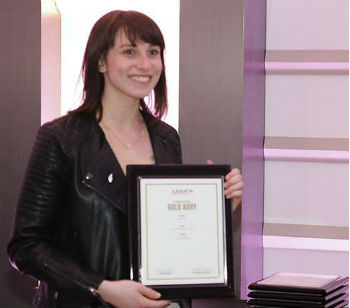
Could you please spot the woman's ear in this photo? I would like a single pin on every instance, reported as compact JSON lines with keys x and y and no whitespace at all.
{"x":102,"y":67}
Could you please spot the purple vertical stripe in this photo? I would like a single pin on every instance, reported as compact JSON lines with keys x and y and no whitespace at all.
{"x":253,"y":139}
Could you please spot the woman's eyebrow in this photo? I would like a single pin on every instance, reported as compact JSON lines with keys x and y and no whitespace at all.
{"x":135,"y":45}
{"x":127,"y":45}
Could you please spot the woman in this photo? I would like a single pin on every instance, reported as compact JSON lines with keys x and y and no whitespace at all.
{"x":70,"y":231}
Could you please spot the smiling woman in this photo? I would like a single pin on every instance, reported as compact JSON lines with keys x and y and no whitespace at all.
{"x":77,"y":19}
{"x":75,"y":184}
{"x":73,"y":159}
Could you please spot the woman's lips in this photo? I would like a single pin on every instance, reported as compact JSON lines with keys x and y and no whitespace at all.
{"x":141,"y":78}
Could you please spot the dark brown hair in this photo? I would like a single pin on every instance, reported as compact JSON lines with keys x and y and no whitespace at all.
{"x":136,"y":26}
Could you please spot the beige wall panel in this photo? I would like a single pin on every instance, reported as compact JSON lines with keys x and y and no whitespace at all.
{"x":305,"y":261}
{"x":307,"y":24}
{"x":307,"y":193}
{"x":307,"y":106}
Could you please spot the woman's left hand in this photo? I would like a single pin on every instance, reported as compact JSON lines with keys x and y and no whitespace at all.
{"x":233,"y":186}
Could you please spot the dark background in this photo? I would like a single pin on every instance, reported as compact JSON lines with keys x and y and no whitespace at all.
{"x":20,"y":118}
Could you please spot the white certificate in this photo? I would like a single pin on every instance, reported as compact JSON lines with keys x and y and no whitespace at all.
{"x":182,"y":231}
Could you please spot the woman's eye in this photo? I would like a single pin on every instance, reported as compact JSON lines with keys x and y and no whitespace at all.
{"x":129,"y":52}
{"x":154,"y":52}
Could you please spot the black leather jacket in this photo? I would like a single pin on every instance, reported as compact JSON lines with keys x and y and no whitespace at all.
{"x":70,"y":229}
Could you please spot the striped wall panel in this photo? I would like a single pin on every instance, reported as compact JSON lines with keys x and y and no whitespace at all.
{"x":306,"y":202}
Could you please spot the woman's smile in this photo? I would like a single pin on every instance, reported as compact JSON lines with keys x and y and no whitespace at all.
{"x":141,"y":78}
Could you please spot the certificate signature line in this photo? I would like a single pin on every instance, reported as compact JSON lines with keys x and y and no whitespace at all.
{"x":183,"y":228}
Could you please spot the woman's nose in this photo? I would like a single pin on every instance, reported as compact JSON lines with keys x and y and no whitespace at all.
{"x":143,"y":62}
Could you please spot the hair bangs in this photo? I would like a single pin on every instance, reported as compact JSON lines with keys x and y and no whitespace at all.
{"x":141,"y":28}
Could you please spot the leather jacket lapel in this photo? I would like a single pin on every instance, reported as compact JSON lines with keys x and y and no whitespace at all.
{"x":99,"y":171}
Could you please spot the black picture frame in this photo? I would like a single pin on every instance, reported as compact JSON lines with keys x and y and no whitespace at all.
{"x":135,"y":173}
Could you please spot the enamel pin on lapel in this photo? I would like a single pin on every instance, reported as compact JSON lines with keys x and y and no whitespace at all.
{"x":110,"y":178}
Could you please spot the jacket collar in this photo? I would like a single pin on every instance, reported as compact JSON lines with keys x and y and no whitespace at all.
{"x":100,"y":169}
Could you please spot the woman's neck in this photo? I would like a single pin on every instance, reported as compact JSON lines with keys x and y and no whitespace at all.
{"x":120,"y":114}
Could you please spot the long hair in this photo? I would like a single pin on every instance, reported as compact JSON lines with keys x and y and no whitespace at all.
{"x":136,"y":26}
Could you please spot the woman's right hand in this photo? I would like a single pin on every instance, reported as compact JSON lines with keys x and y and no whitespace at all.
{"x":130,"y":294}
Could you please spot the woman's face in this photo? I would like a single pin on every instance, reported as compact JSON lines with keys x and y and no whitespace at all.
{"x":131,"y":71}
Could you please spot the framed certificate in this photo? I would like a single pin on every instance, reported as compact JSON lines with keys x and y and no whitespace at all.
{"x":180,"y":229}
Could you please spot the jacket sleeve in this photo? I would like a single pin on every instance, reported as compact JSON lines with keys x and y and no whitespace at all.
{"x":32,"y":248}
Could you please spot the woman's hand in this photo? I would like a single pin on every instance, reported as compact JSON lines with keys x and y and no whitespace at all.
{"x":130,"y":294}
{"x":233,"y":186}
